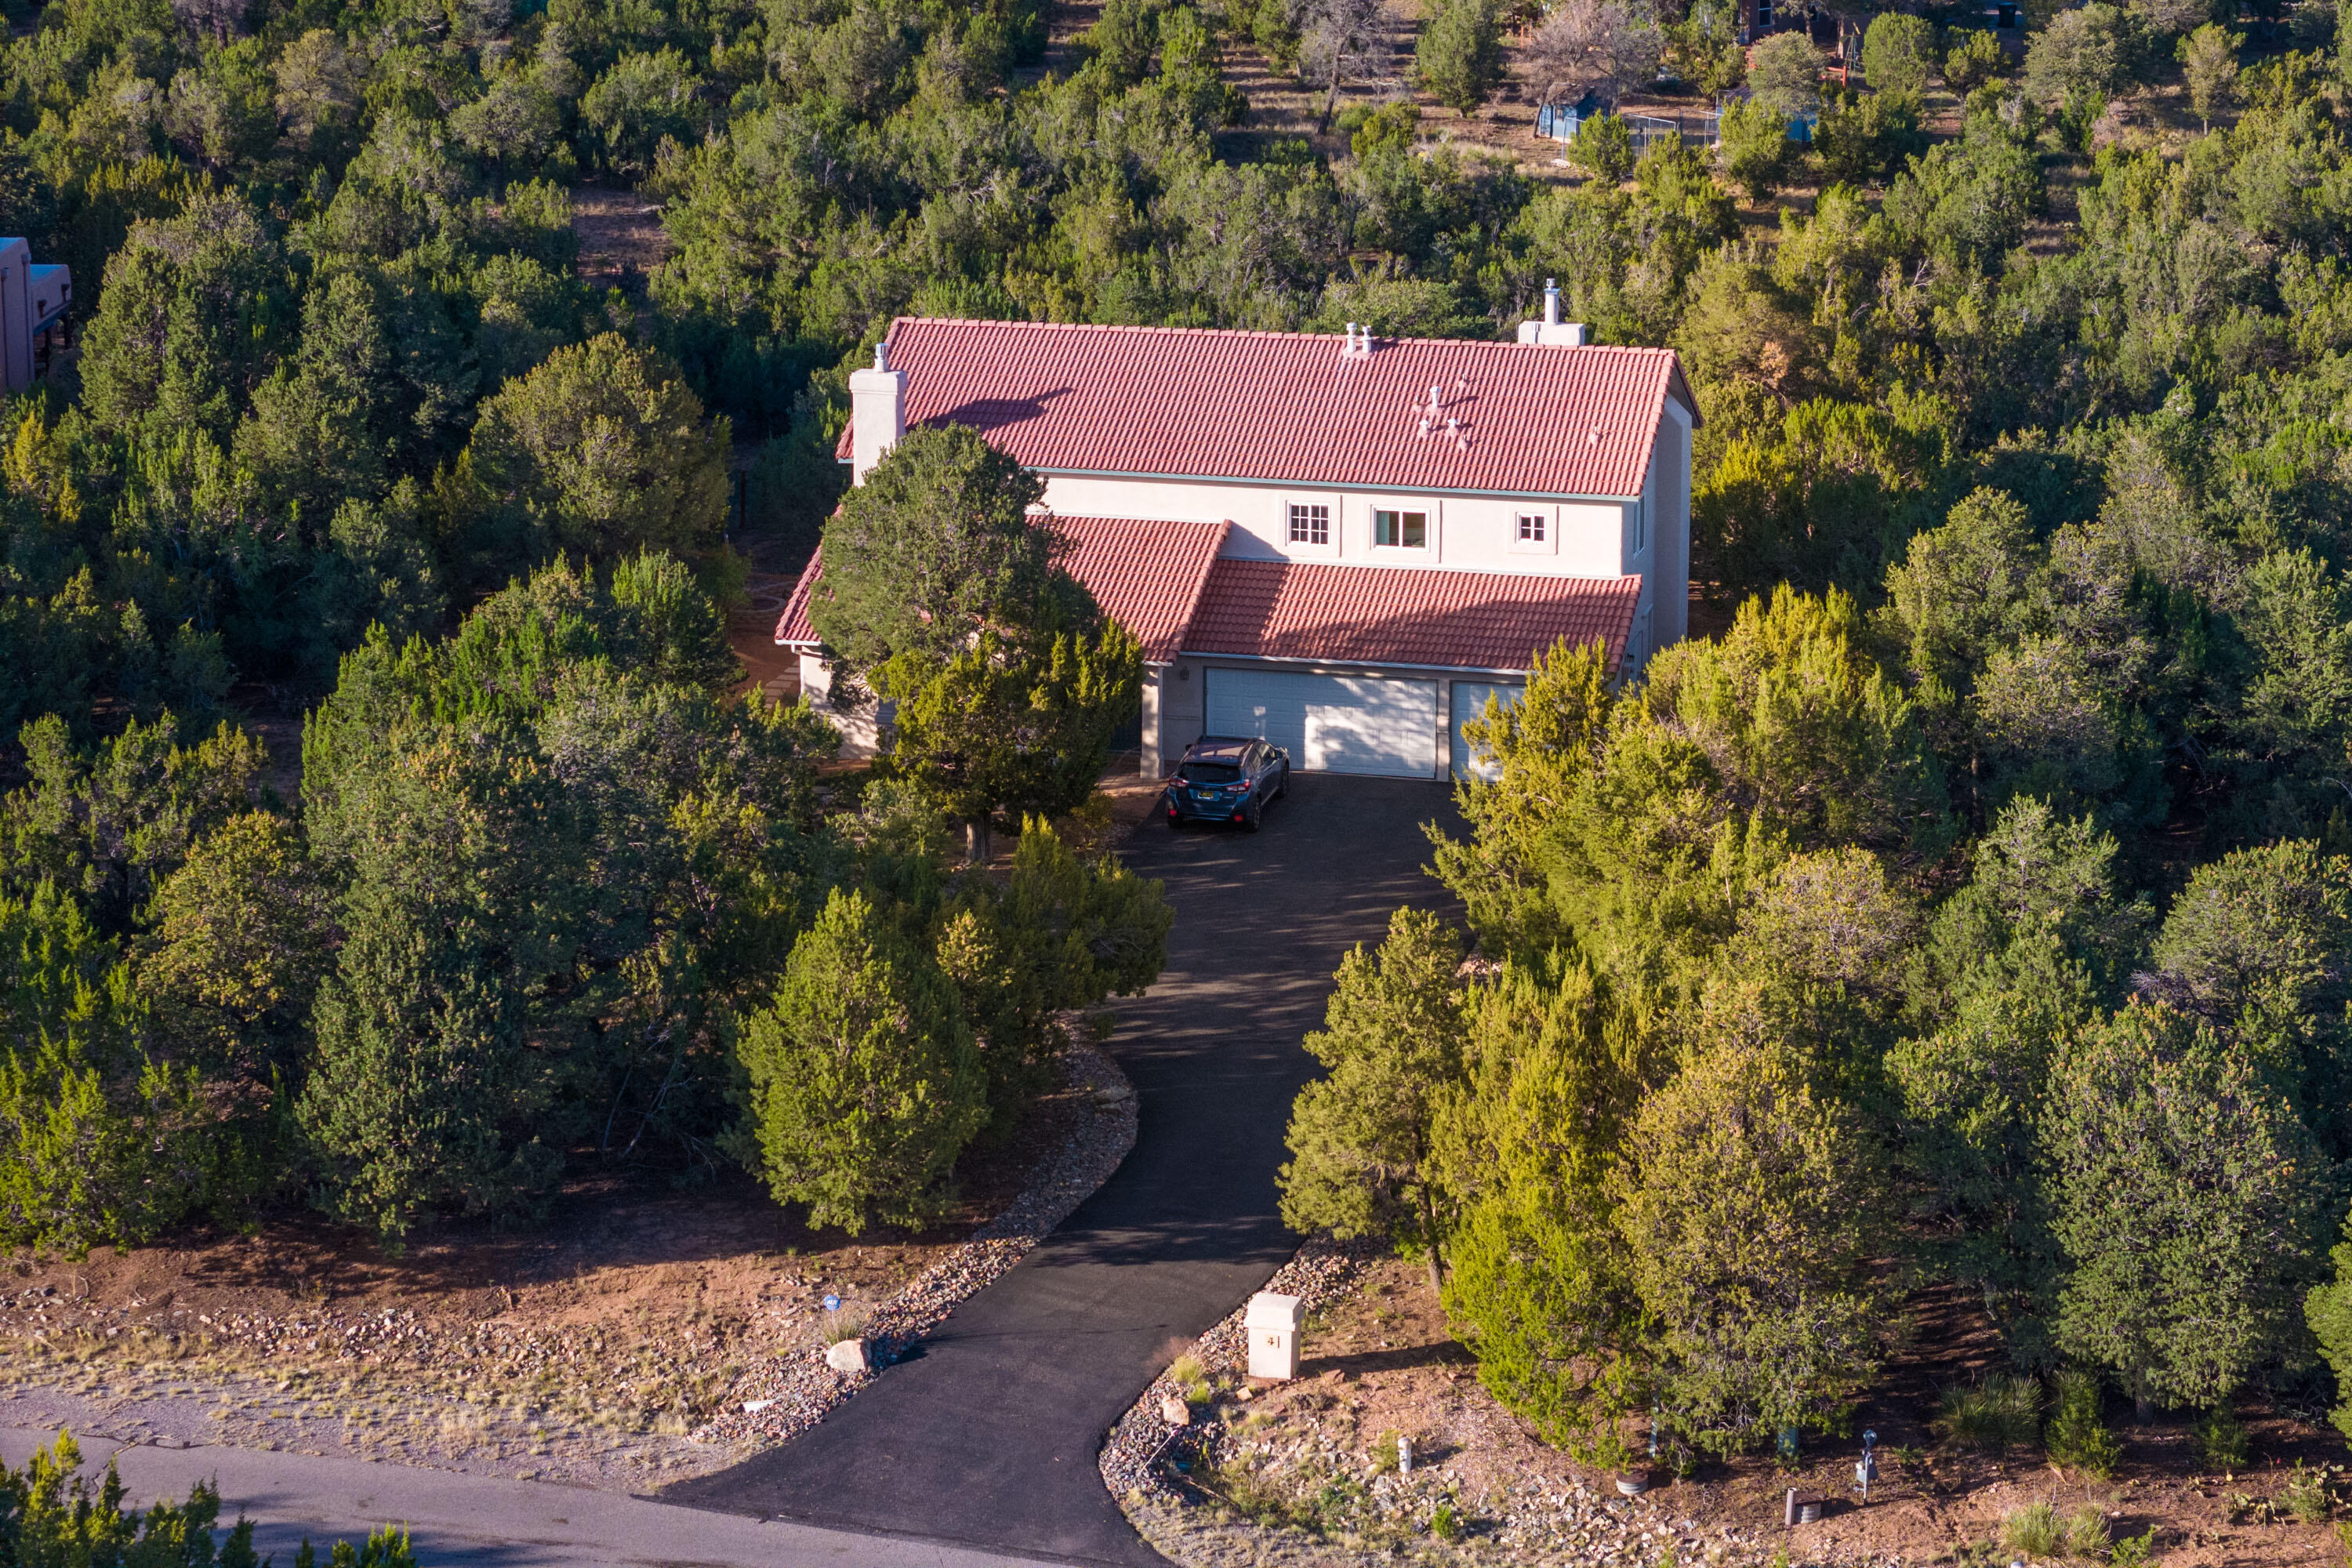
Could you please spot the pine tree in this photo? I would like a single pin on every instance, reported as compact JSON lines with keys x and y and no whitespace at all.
{"x":1541,"y":1289}
{"x":1460,"y":54}
{"x":936,"y":545}
{"x":1748,"y":1205}
{"x":2180,"y":1190}
{"x":424,"y":1095}
{"x":1360,"y":1139}
{"x":865,"y":1085}
{"x":999,"y":729}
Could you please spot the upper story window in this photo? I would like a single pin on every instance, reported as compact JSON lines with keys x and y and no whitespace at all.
{"x":1532,"y":525}
{"x":1401,"y":529}
{"x":1641,"y":525}
{"x":1310,"y":524}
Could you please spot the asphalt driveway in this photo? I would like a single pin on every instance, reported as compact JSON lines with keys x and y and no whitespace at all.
{"x":988,"y":1437}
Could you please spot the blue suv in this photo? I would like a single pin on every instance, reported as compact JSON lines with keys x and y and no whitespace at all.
{"x":1227,"y":778}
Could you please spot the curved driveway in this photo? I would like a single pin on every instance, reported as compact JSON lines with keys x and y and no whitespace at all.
{"x":988,"y":1437}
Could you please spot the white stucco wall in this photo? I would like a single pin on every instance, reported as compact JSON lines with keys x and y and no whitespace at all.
{"x":1671,"y":471}
{"x":859,"y":722}
{"x":1584,"y":539}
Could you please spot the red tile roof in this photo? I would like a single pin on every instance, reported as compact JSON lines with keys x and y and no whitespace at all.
{"x":792,"y":628}
{"x":1146,"y":575}
{"x":1392,"y":614}
{"x":1288,"y":407}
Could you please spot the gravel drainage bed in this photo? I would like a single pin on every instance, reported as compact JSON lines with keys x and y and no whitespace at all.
{"x":785,"y":1395}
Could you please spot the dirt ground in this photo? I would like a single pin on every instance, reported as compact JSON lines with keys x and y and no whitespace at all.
{"x":1305,"y":1472}
{"x":591,"y":1344}
{"x":621,"y":235}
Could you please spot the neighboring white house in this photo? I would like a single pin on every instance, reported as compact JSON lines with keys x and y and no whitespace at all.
{"x":1344,"y":544}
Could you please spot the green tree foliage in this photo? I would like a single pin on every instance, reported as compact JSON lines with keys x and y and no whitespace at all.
{"x":2208,"y":63}
{"x":2261,"y":941}
{"x":109,"y":825}
{"x":1703,"y":48}
{"x":1459,"y":54}
{"x":865,"y":1085}
{"x":939,"y":586}
{"x":1362,"y":1139}
{"x":1744,"y":1200}
{"x":556,"y":871}
{"x":241,"y":932}
{"x":1755,"y":149}
{"x":2179,"y":1193}
{"x":1056,"y":937}
{"x":2088,"y":55}
{"x":1784,"y":70}
{"x":1604,"y":148}
{"x":102,"y":1139}
{"x":1870,"y":138}
{"x":1898,"y":53}
{"x":1974,"y":58}
{"x":423,"y":1098}
{"x":999,"y":730}
{"x":1642,"y":824}
{"x":935,"y":546}
{"x":52,"y":1513}
{"x":1541,"y":1288}
{"x":2327,"y":1312}
{"x":601,"y":451}
{"x":646,"y":100}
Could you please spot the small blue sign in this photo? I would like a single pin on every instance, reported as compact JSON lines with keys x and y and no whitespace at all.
{"x":833,"y":1304}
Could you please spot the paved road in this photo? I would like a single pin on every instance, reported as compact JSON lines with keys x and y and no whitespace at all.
{"x":989,"y":1437}
{"x":477,"y":1521}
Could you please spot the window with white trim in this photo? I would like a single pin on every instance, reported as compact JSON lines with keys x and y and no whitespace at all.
{"x":1532,"y":525}
{"x":1401,"y":529}
{"x":1310,"y":524}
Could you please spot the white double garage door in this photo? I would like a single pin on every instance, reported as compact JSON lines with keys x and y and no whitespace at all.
{"x":1378,"y":724}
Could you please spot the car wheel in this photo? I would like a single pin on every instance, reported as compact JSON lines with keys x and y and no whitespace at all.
{"x":1252,"y":817}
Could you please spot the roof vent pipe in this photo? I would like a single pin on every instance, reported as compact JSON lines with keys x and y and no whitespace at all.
{"x":882,"y":356}
{"x":1551,"y":302}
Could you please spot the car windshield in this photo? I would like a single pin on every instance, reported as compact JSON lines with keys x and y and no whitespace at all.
{"x":1211,"y":773}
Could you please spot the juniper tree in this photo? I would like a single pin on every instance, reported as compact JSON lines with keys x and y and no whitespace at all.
{"x":864,"y":1083}
{"x":2180,"y":1192}
{"x":1361,"y":1137}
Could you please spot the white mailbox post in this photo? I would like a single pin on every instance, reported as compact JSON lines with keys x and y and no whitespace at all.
{"x":1273,"y":1324}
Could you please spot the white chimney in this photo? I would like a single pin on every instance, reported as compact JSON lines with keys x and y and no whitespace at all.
{"x":1551,"y":328}
{"x":877,"y":412}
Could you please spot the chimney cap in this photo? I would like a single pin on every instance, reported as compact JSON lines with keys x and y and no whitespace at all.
{"x":1551,"y":302}
{"x":882,"y":355}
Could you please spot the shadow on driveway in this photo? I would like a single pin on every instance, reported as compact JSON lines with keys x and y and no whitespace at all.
{"x":990,"y":1435}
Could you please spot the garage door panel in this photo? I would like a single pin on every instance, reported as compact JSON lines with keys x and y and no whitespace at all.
{"x":1330,"y":723}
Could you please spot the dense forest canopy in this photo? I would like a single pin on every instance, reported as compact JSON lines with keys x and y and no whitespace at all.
{"x":2007,"y":814}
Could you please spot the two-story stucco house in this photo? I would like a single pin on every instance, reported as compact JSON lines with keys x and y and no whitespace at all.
{"x":1343,"y":543}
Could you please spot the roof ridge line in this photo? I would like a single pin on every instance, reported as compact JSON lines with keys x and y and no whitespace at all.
{"x":1264,"y":332}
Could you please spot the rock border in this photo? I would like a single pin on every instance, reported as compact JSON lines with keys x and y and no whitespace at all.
{"x":1572,"y":1523}
{"x":788,"y":1394}
{"x":1318,"y":1273}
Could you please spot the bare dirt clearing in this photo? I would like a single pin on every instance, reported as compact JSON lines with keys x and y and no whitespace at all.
{"x":621,"y":235}
{"x":587,"y":1349}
